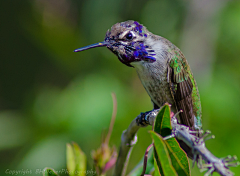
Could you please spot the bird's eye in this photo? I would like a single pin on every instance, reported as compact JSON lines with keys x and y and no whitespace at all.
{"x":129,"y":36}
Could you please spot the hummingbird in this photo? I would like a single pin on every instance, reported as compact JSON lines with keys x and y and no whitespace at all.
{"x":161,"y":66}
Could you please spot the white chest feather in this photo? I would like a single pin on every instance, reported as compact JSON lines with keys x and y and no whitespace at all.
{"x":154,"y":80}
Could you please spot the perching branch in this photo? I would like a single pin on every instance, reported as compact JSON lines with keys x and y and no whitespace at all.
{"x":213,"y":164}
{"x":128,"y":140}
{"x":181,"y":132}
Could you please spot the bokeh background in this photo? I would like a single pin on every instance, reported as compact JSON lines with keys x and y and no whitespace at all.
{"x":50,"y":95}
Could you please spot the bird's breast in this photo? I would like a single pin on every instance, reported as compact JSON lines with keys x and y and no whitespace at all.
{"x":154,"y":79}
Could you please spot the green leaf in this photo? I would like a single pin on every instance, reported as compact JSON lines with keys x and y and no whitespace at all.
{"x":49,"y":172}
{"x":76,"y":160}
{"x":80,"y":160}
{"x":162,"y":156}
{"x":156,"y":171}
{"x":157,"y":162}
{"x":178,"y":157}
{"x":71,"y":165}
{"x":162,"y":125}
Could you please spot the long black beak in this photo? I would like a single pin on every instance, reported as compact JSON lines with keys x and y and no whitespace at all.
{"x":100,"y":44}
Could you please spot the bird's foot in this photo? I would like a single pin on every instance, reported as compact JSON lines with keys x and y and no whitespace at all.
{"x":143,"y":118}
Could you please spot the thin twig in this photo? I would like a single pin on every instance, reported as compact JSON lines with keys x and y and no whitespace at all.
{"x":127,"y":161}
{"x":145,"y":159}
{"x":128,"y":140}
{"x":114,"y":114}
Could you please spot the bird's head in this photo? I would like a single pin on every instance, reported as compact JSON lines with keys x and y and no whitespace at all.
{"x":127,"y":41}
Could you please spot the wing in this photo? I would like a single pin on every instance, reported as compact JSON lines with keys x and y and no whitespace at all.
{"x":181,"y":87}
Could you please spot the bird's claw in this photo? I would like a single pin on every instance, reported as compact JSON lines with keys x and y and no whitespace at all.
{"x":143,"y":118}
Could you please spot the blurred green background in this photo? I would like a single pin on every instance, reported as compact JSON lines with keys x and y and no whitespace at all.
{"x":50,"y":95}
